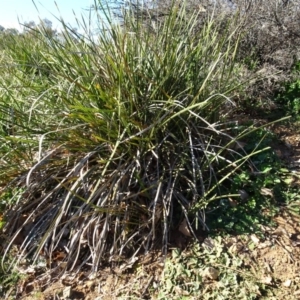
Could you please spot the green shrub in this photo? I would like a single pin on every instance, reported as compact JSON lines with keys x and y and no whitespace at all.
{"x":289,"y":98}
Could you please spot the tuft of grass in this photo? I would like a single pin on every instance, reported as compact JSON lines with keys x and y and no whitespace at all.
{"x":117,"y":138}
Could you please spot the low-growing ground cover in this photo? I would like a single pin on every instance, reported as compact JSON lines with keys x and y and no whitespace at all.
{"x":117,"y":149}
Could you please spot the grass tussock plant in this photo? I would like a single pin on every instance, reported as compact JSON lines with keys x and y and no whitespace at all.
{"x":125,"y":136}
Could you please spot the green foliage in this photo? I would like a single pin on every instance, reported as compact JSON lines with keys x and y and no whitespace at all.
{"x":260,"y":190}
{"x":7,"y":199}
{"x":9,"y":281}
{"x":290,"y":191}
{"x":289,"y":97}
{"x":208,"y":273}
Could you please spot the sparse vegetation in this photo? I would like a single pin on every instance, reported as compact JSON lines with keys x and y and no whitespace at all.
{"x":111,"y":143}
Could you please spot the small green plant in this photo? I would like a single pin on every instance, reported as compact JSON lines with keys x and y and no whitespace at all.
{"x":8,"y":281}
{"x":290,"y":190}
{"x":9,"y":197}
{"x":289,"y":97}
{"x":213,"y":272}
{"x":260,"y":190}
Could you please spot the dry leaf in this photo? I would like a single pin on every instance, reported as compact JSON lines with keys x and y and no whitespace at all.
{"x":280,"y":231}
{"x":129,"y":264}
{"x":92,"y":276}
{"x":232,"y":202}
{"x":265,"y":245}
{"x":184,"y":229}
{"x":236,"y":248}
{"x":30,"y":270}
{"x":254,"y":239}
{"x":208,"y":243}
{"x":211,"y":273}
{"x":266,"y":192}
{"x":201,"y":8}
{"x":90,"y":284}
{"x":67,"y":292}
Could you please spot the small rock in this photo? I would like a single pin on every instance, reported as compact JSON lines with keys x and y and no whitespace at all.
{"x":287,"y":283}
{"x":244,"y":195}
{"x":297,"y":292}
{"x":266,"y":279}
{"x":90,"y":284}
